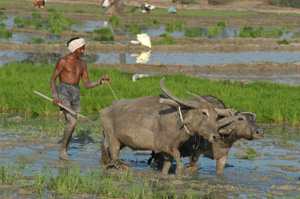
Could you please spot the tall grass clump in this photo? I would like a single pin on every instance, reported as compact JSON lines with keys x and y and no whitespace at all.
{"x":115,"y":22}
{"x":134,"y":29}
{"x":285,"y":3}
{"x":247,"y":32}
{"x":213,"y":31}
{"x":151,"y":21}
{"x":167,"y":40}
{"x":268,"y":101}
{"x":174,"y":26}
{"x":219,"y":2}
{"x":222,"y":24}
{"x":105,"y":34}
{"x":192,"y":32}
{"x":58,"y":23}
{"x":5,"y":34}
{"x":28,"y":23}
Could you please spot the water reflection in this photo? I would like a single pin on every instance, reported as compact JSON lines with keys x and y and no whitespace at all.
{"x":188,"y":59}
{"x":152,"y":31}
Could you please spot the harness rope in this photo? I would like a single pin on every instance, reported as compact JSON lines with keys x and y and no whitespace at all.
{"x":183,"y":123}
{"x":112,"y":91}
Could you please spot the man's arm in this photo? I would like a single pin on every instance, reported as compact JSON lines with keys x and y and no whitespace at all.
{"x":59,"y":67}
{"x":85,"y":79}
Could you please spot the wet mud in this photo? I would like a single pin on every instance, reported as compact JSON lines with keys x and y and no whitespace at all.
{"x":272,"y":173}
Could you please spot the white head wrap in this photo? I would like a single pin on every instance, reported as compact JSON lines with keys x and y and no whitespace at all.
{"x":75,"y":44}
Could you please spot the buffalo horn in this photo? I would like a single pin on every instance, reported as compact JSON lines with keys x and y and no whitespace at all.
{"x":169,"y":102}
{"x":187,"y":103}
{"x":222,"y":112}
{"x":224,"y":121}
{"x":201,"y":99}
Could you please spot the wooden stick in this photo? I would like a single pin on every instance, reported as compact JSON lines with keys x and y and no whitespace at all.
{"x":64,"y":107}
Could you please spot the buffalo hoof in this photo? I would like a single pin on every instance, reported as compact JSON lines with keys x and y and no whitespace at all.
{"x":180,"y":172}
{"x":63,"y":155}
{"x":118,"y":164}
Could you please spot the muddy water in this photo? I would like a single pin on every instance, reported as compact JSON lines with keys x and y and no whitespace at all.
{"x":274,"y":172}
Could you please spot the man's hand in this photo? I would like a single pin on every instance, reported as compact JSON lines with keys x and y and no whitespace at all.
{"x":56,"y":101}
{"x":104,"y":80}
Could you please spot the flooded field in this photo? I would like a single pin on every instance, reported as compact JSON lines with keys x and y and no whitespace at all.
{"x":273,"y":172}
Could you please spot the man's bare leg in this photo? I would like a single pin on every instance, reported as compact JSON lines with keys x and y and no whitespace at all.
{"x":69,"y":129}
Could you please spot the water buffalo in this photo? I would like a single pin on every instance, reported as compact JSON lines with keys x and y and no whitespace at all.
{"x":147,"y":124}
{"x":242,"y":125}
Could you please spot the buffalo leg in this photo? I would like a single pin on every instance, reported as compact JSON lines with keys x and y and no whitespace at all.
{"x":180,"y":167}
{"x":167,"y":163}
{"x":221,"y":163}
{"x":194,"y":158}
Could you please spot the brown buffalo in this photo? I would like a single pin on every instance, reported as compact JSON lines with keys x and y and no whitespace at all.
{"x":242,"y":125}
{"x":147,"y":124}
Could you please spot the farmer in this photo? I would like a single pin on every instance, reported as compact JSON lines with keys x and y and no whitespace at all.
{"x":70,"y":69}
{"x":172,"y":9}
{"x":106,"y":4}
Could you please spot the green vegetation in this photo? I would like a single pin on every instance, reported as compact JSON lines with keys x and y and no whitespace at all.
{"x":174,"y":26}
{"x":192,"y":32}
{"x":58,"y":22}
{"x":268,"y":100}
{"x":115,"y":22}
{"x":105,"y":34}
{"x":167,"y":40}
{"x":247,"y":31}
{"x":194,"y":12}
{"x":251,"y":154}
{"x":188,"y":1}
{"x":284,"y":41}
{"x":222,"y":24}
{"x":285,"y":3}
{"x":213,"y":31}
{"x":151,"y":21}
{"x":36,"y":40}
{"x":97,"y":183}
{"x":5,"y":34}
{"x":219,"y":2}
{"x":134,"y":29}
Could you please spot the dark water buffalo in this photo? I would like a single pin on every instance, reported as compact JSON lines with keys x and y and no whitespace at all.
{"x":243,"y":125}
{"x":147,"y":124}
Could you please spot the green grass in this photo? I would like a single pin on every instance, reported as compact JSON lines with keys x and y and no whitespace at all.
{"x":195,"y":12}
{"x":270,"y":101}
{"x":73,"y":180}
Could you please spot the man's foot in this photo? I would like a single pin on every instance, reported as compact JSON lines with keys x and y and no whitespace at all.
{"x":63,"y":155}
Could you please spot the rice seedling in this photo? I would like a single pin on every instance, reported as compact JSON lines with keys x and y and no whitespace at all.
{"x":192,"y":32}
{"x":105,"y":34}
{"x":174,"y":26}
{"x":115,"y":22}
{"x":267,"y":100}
{"x":151,"y":21}
{"x":167,"y":40}
{"x":213,"y":31}
{"x":134,"y":29}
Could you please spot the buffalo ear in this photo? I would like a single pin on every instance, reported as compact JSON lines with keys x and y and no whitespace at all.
{"x":225,"y":131}
{"x":169,"y":102}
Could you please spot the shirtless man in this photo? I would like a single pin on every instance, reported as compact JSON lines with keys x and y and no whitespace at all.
{"x":70,"y":69}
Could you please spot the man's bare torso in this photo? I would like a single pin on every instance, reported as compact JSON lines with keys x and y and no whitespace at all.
{"x":72,"y":70}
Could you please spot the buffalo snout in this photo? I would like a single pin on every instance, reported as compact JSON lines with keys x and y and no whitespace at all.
{"x":259,"y":133}
{"x":214,"y":138}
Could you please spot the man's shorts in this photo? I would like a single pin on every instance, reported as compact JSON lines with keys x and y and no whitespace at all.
{"x":69,"y":95}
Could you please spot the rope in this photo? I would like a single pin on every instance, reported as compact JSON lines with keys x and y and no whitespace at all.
{"x":179,"y":110}
{"x":112,"y":91}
